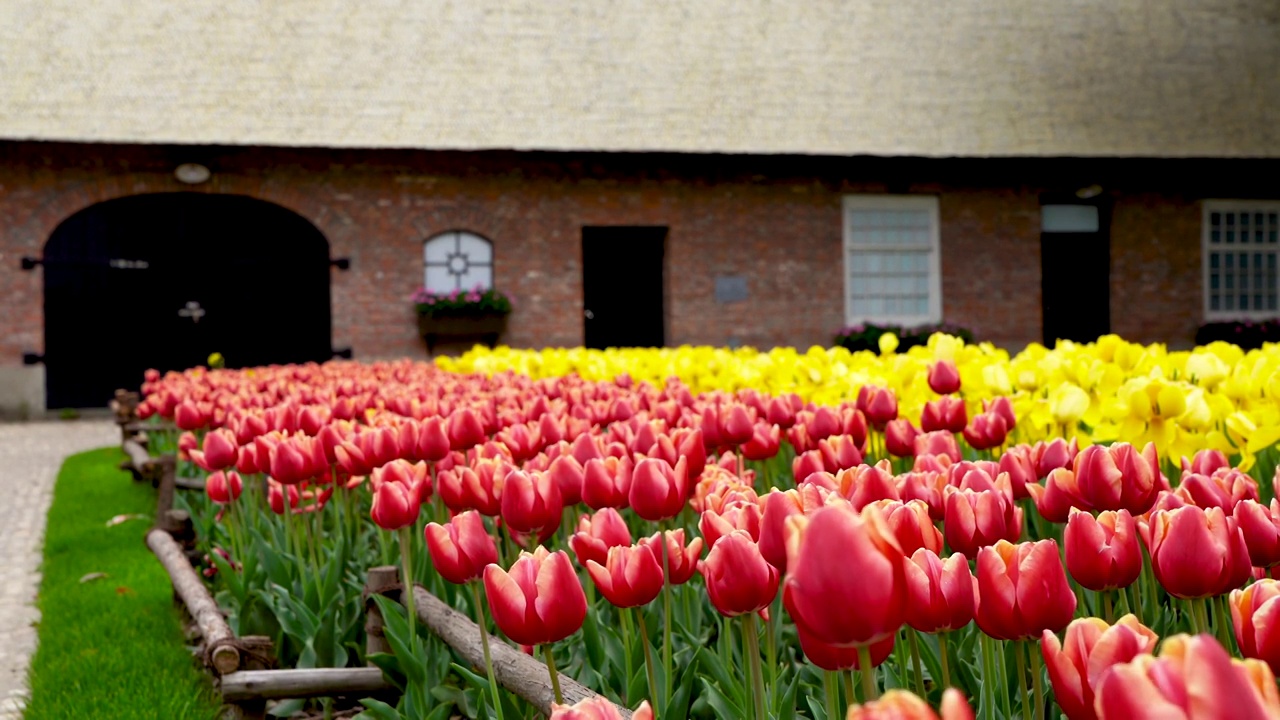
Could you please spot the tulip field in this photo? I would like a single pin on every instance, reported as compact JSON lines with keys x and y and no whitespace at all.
{"x":949,"y":532}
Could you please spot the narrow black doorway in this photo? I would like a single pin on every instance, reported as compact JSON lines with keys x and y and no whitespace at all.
{"x":1075,"y":269}
{"x":622,"y":297}
{"x":192,"y":274}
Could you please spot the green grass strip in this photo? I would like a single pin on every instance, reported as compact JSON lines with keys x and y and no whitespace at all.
{"x":113,"y":647}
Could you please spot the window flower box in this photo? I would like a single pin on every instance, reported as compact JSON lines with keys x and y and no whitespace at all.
{"x":477,"y":314}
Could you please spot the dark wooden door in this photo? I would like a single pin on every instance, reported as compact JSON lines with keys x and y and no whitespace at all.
{"x":1075,"y":271}
{"x":165,"y":280}
{"x":622,"y":269}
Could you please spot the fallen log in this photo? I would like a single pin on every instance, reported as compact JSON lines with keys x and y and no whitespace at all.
{"x":138,"y":461}
{"x":317,"y":682}
{"x":220,"y":643}
{"x":517,"y":672}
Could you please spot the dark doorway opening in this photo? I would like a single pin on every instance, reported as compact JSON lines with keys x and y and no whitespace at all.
{"x":164,"y":280}
{"x":622,"y":295}
{"x":1075,"y":268}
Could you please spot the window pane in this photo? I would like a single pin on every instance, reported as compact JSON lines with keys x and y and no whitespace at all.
{"x":439,"y":279}
{"x":438,"y":248}
{"x":1068,"y":218}
{"x":477,"y":249}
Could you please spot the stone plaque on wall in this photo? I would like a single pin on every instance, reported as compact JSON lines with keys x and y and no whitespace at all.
{"x":731,"y":289}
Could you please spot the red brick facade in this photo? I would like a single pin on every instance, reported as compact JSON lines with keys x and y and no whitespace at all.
{"x":776,"y":221}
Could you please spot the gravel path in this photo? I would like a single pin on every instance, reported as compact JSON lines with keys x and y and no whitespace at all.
{"x":30,"y":455}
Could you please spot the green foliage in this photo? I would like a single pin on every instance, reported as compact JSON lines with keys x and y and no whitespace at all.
{"x":459,"y":304}
{"x":113,"y":647}
{"x":866,"y":336}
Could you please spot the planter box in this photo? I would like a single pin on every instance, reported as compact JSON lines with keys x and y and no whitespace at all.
{"x":484,"y":328}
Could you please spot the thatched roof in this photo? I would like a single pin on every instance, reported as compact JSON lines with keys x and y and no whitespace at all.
{"x":832,"y":77}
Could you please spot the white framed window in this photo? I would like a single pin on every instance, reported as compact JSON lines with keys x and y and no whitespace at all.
{"x":1241,"y":250}
{"x":892,"y":262}
{"x":457,"y":260}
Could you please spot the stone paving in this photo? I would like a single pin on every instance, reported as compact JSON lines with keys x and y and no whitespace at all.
{"x":30,"y":455}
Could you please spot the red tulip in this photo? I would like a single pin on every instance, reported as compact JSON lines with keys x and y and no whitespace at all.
{"x":1255,"y":613}
{"x":1103,"y":553}
{"x":980,"y":519}
{"x":1022,"y":590}
{"x":841,"y":559}
{"x":765,"y":442}
{"x":1205,"y":462}
{"x":806,"y":464}
{"x":597,"y":708}
{"x":539,"y":600}
{"x":880,"y":405}
{"x":946,"y":413}
{"x":1197,"y":553}
{"x":275,"y":497}
{"x":1060,"y":493}
{"x":939,"y":444}
{"x":1225,"y":489}
{"x":782,"y":411}
{"x":395,"y":505}
{"x":839,"y":453}
{"x":531,"y":503}
{"x":987,"y":431}
{"x":738,"y":579}
{"x":910,"y":524}
{"x":630,"y":577}
{"x":1261,"y":529}
{"x":940,"y":593}
{"x":189,"y":416}
{"x":465,"y":430}
{"x":462,"y":488}
{"x":778,"y":506}
{"x":1192,"y":678}
{"x":223,"y":487}
{"x":927,"y":487}
{"x":944,"y":377}
{"x":1092,"y":647}
{"x":834,"y":657}
{"x":219,"y":451}
{"x":461,"y":548}
{"x":743,"y":516}
{"x":902,"y":705}
{"x":900,"y":437}
{"x":431,"y":442}
{"x":567,"y":475}
{"x":290,"y":464}
{"x":1003,"y":407}
{"x":659,"y":491}
{"x":1017,"y":462}
{"x":597,"y":533}
{"x":682,"y":560}
{"x":606,"y":482}
{"x":736,"y":425}
{"x":1054,"y":454}
{"x":187,"y":442}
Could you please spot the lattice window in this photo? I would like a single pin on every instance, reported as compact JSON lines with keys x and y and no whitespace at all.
{"x":457,"y":260}
{"x":892,"y":271}
{"x":1241,"y":251}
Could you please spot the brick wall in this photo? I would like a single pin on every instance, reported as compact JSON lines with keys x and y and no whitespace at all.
{"x":777,"y":222}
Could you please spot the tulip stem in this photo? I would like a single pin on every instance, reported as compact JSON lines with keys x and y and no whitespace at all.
{"x":625,"y":614}
{"x":666,"y":616}
{"x":648,"y":655}
{"x":851,"y":695}
{"x":1036,"y":687}
{"x":829,"y":685}
{"x":1108,"y":609}
{"x":1225,"y":634}
{"x":868,"y":671}
{"x":757,"y":677}
{"x":771,"y":650}
{"x":946,"y":663}
{"x":407,"y":580}
{"x":484,"y":644}
{"x":1135,"y":605}
{"x":555,"y":676}
{"x":1021,"y":659}
{"x":915,"y":661}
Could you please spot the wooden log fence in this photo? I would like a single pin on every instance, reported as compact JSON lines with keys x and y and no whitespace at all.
{"x":243,"y":678}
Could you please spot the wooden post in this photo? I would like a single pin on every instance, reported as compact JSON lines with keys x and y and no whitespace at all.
{"x":168,"y":471}
{"x":379,"y":579}
{"x":514,"y":670}
{"x":238,"y":687}
{"x":223,"y":654}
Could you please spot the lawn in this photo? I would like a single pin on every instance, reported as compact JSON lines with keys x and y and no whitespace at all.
{"x":111,"y":647}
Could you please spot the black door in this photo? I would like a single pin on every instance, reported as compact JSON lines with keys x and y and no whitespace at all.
{"x":622,"y":294}
{"x":1075,"y":270}
{"x":165,"y":280}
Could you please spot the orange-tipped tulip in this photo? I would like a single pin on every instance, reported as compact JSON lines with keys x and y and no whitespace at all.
{"x":910,"y":524}
{"x":738,"y":516}
{"x":1091,"y":647}
{"x":1022,"y":590}
{"x":841,"y":559}
{"x":682,"y":560}
{"x":1103,"y":552}
{"x":539,"y":600}
{"x":461,"y":548}
{"x":1255,"y":612}
{"x":1192,"y":678}
{"x":738,"y":579}
{"x":1197,"y":553}
{"x":630,"y":577}
{"x":902,"y":705}
{"x":940,"y":593}
{"x":976,"y":520}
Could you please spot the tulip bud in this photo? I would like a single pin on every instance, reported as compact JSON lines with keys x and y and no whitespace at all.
{"x":223,"y":487}
{"x":940,"y":593}
{"x":461,"y":548}
{"x":1103,"y":553}
{"x":941,"y":443}
{"x":431,"y":442}
{"x":944,"y":377}
{"x":944,"y":414}
{"x":738,"y":578}
{"x":539,"y":601}
{"x":1022,"y":590}
{"x":395,"y":505}
{"x":987,"y":431}
{"x":465,"y":430}
{"x":880,"y":405}
{"x":765,"y":443}
{"x":900,"y":437}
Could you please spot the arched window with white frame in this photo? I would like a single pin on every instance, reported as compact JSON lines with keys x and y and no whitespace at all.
{"x":457,"y":260}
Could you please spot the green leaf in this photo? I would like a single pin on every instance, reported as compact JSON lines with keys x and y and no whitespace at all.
{"x":724,"y":708}
{"x":378,"y":710}
{"x":678,"y":706}
{"x":285,"y":708}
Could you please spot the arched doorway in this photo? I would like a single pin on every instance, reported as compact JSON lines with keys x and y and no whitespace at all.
{"x":163,"y":280}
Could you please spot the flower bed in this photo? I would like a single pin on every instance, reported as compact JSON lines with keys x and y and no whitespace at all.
{"x":738,"y":551}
